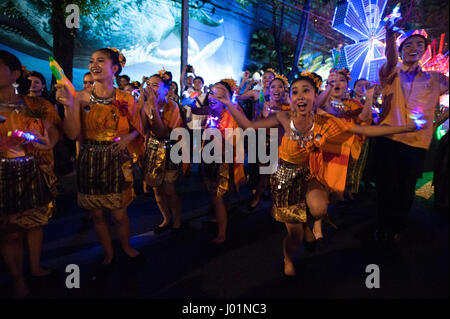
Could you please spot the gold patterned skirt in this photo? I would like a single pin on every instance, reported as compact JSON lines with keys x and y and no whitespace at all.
{"x":27,"y":191}
{"x":288,"y":186}
{"x":218,"y":177}
{"x":355,"y":169}
{"x":157,"y":166}
{"x":104,"y":179}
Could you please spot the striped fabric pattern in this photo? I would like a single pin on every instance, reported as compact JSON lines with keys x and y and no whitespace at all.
{"x":22,"y":185}
{"x":328,"y":163}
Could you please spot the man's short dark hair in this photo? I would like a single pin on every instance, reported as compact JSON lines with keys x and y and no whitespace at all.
{"x":87,"y":73}
{"x":126,"y":77}
{"x":414,"y":35}
{"x":200,"y":78}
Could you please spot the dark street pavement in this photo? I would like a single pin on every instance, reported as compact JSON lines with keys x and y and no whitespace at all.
{"x":249,"y":265}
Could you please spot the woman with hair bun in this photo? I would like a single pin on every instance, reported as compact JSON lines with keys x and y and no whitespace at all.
{"x":276,"y":103}
{"x":109,"y":124}
{"x":28,"y":133}
{"x":38,"y":86}
{"x":161,"y":115}
{"x":347,"y":151}
{"x":258,"y":96}
{"x":220,"y":178}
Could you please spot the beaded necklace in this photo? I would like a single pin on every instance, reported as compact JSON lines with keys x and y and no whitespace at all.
{"x":338,"y":107}
{"x":94,"y":99}
{"x":301,"y":138}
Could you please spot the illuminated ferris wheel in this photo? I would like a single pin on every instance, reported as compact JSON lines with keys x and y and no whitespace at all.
{"x":361,"y":21}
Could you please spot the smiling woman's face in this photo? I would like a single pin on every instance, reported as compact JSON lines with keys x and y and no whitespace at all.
{"x":276,"y":90}
{"x":36,"y":84}
{"x":267,"y":78}
{"x":157,"y":84}
{"x":218,"y":91}
{"x":303,"y":97}
{"x":101,"y":66}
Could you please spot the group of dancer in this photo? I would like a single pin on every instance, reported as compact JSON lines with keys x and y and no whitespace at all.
{"x":320,"y":146}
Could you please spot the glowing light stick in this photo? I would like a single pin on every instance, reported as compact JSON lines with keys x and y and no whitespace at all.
{"x":376,"y":110}
{"x":440,"y":132}
{"x":25,"y":135}
{"x":336,"y":59}
{"x":394,"y":14}
{"x":393,"y":17}
{"x":233,"y":98}
{"x":261,"y":96}
{"x":261,"y":102}
{"x":59,"y":75}
{"x":136,"y":93}
{"x":417,"y":117}
{"x":117,"y":139}
{"x":336,"y":56}
{"x":380,"y":100}
{"x":212,"y":121}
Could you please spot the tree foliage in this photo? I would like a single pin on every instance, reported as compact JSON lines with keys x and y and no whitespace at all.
{"x":96,"y":8}
{"x":64,"y":38}
{"x":275,"y":47}
{"x":264,"y":54}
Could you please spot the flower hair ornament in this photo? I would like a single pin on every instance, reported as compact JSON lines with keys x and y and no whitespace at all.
{"x":271,"y":70}
{"x":136,"y":84}
{"x":122,"y":59}
{"x":231,"y":83}
{"x":344,"y":71}
{"x":162,"y":72}
{"x":308,"y":74}
{"x":283,"y":79}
